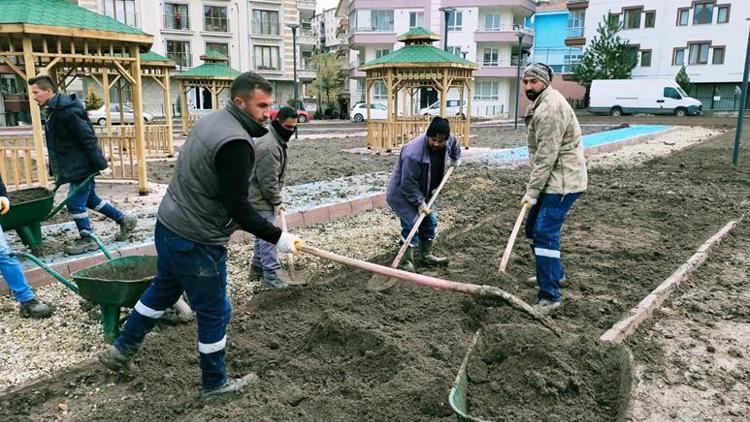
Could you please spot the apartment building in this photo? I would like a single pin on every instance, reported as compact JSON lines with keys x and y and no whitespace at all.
{"x":483,"y":31}
{"x":708,"y":37}
{"x":325,"y":25}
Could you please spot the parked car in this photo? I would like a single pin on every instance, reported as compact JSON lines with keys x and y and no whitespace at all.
{"x":377,"y":112}
{"x":303,"y":116}
{"x":99,"y":116}
{"x":452,"y":108}
{"x":650,"y":96}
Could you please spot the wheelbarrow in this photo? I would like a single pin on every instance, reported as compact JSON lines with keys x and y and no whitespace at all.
{"x":35,"y":205}
{"x":113,"y":284}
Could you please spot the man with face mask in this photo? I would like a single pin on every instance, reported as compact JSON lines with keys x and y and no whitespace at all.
{"x":417,"y":173}
{"x":558,"y":177}
{"x":265,"y":194}
{"x":206,"y":201}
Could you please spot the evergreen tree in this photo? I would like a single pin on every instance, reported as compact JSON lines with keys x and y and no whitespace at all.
{"x":329,"y":81}
{"x":93,"y":102}
{"x":683,"y":80}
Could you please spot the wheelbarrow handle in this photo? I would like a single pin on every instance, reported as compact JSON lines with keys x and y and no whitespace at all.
{"x":100,"y":245}
{"x":49,"y":270}
{"x":72,"y":192}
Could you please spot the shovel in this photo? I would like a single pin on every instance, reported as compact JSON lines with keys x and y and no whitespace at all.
{"x":512,"y":239}
{"x":290,"y":257}
{"x":378,"y":283}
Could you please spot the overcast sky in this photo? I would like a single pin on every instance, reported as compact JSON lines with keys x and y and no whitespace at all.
{"x":322,"y":5}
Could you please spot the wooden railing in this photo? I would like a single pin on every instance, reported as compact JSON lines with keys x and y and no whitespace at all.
{"x":18,"y":163}
{"x":384,"y":135}
{"x":155,"y":135}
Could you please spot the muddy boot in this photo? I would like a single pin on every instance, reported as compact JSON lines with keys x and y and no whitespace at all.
{"x":233,"y":385}
{"x":127,"y":225}
{"x":563,"y":281}
{"x":81,"y":245}
{"x":425,"y":247}
{"x":116,"y":361}
{"x":407,"y":262}
{"x":274,"y":280}
{"x":546,"y":306}
{"x":35,"y":309}
{"x":256,"y":272}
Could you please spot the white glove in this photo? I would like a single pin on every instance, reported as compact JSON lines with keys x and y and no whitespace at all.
{"x":425,"y":209}
{"x":530,"y":199}
{"x":288,"y":243}
{"x":107,"y":172}
{"x":4,"y":205}
{"x":456,"y":163}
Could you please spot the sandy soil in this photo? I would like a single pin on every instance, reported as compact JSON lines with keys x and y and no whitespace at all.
{"x":332,"y":351}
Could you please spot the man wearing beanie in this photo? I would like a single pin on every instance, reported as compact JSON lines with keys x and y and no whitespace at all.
{"x":418,"y":172}
{"x":558,"y":177}
{"x":265,"y":195}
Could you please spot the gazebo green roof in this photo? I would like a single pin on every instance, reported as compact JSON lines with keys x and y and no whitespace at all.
{"x":152,"y":57}
{"x":419,"y":32}
{"x":214,"y":56}
{"x":209,"y":71}
{"x":60,"y":13}
{"x":419,"y":51}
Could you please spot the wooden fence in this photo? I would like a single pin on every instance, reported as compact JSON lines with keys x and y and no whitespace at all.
{"x":384,"y":135}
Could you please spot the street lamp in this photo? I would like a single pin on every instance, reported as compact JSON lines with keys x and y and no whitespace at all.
{"x":447,"y":11}
{"x":520,"y":35}
{"x":293,"y":27}
{"x":464,"y":53}
{"x":743,"y":104}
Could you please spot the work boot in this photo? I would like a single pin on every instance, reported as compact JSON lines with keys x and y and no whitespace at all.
{"x":274,"y":280}
{"x":81,"y":245}
{"x":127,"y":225}
{"x":425,"y":247}
{"x":256,"y":272}
{"x":407,"y":262}
{"x":563,"y":281}
{"x":546,"y":306}
{"x":116,"y":361}
{"x":232,"y":385}
{"x":35,"y":309}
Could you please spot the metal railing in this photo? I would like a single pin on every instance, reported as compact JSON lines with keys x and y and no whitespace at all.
{"x":380,"y":28}
{"x":181,"y":59}
{"x":575,"y":32}
{"x":211,"y":24}
{"x":504,"y":62}
{"x":505,"y":28}
{"x":176,"y":22}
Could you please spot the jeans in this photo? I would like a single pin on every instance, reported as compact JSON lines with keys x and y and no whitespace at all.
{"x":13,"y":273}
{"x":201,"y":272}
{"x":86,"y":197}
{"x":265,"y":254}
{"x":427,"y":229}
{"x":543,"y":226}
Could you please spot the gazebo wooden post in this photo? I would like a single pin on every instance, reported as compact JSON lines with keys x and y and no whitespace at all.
{"x":184,"y":112}
{"x":214,"y":96}
{"x":36,"y":115}
{"x":389,"y":115}
{"x":168,"y":112}
{"x":370,"y":135}
{"x":444,"y":93}
{"x":469,"y":96}
{"x":138,"y":126}
{"x":107,"y":101}
{"x":121,"y":102}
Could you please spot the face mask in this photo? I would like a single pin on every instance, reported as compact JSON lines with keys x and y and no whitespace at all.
{"x":284,"y":132}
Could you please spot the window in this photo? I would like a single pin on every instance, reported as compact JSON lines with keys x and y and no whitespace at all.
{"x":453,"y":49}
{"x":265,"y":22}
{"x":718,"y":57}
{"x":379,"y":91}
{"x":632,"y":18}
{"x":645,"y":58}
{"x":703,"y":13}
{"x":179,"y":51}
{"x":266,"y":58}
{"x":382,"y":52}
{"x":176,"y":16}
{"x":683,"y":17}
{"x":122,"y":10}
{"x":723,"y":14}
{"x":672,"y":93}
{"x":490,"y":57}
{"x":416,"y":19}
{"x":382,"y":20}
{"x":215,"y":19}
{"x":492,"y":22}
{"x":219,"y":47}
{"x":679,"y":57}
{"x":455,"y":21}
{"x":650,"y":19}
{"x":698,"y":53}
{"x":486,"y":90}
{"x":576,"y":22}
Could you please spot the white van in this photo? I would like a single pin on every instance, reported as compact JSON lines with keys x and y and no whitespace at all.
{"x":452,"y":108}
{"x":650,"y":96}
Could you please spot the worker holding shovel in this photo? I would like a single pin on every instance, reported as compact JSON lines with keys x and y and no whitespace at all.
{"x":558,"y":177}
{"x":420,"y":168}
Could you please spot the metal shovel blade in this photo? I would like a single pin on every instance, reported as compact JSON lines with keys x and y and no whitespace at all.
{"x":379,"y":283}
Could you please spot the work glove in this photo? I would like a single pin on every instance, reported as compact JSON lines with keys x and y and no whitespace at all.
{"x":456,"y":163}
{"x":279,"y":209}
{"x":288,"y":243}
{"x":530,"y":199}
{"x":107,"y":172}
{"x":423,"y":208}
{"x":4,"y":205}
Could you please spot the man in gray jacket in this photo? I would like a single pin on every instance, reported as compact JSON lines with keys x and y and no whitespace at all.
{"x":265,"y":194}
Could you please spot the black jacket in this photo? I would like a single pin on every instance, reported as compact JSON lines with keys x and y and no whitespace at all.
{"x":74,"y":151}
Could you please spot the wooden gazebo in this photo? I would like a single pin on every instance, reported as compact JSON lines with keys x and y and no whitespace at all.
{"x":214,"y":74}
{"x":64,"y":40}
{"x":418,"y":64}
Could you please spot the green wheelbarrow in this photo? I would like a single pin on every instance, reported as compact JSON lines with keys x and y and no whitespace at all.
{"x":113,"y":284}
{"x":29,"y":207}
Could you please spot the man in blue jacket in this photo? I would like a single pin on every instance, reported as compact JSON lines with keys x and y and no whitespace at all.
{"x":74,"y":154}
{"x":418,"y":172}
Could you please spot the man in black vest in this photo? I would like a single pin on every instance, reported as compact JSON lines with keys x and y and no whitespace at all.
{"x":207,"y":200}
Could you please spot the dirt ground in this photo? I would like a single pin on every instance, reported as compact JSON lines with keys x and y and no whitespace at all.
{"x":333,"y":351}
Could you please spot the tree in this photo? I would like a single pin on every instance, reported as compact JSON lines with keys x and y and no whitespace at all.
{"x":329,"y":81}
{"x":607,"y":57}
{"x":93,"y":101}
{"x":683,"y":80}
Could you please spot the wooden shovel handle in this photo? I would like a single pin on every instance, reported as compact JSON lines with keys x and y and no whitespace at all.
{"x":283,"y":227}
{"x":512,"y":239}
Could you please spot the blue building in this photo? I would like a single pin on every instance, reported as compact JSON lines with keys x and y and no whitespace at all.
{"x":551,"y":28}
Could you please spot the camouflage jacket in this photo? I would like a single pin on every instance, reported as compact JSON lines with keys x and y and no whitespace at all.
{"x":555,"y":147}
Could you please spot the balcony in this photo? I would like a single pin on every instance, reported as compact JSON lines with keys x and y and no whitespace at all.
{"x":176,"y":22}
{"x":372,"y":35}
{"x":182,"y":60}
{"x":575,"y":36}
{"x":503,"y":68}
{"x":503,"y":33}
{"x":306,"y":5}
{"x":306,"y":38}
